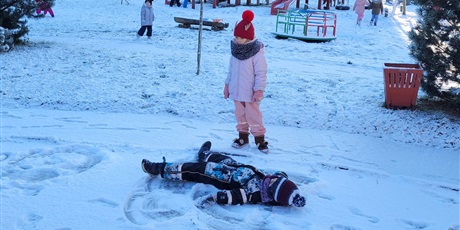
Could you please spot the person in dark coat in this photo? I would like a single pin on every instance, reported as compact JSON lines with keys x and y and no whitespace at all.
{"x":147,"y":18}
{"x":172,"y":2}
{"x":239,"y":183}
{"x":377,"y":8}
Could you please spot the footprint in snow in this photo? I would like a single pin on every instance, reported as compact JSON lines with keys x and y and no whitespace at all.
{"x":28,"y":171}
{"x":369,"y":218}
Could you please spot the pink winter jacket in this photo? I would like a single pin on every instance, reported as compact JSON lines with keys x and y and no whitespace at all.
{"x":360,"y":6}
{"x":246,"y":76}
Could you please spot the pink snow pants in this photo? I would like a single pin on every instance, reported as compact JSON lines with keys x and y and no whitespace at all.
{"x":249,"y":118}
{"x":45,"y":11}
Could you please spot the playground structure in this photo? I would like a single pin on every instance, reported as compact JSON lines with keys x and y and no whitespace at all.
{"x":322,"y":2}
{"x":285,"y":4}
{"x":280,"y":5}
{"x":288,"y":23}
{"x":215,"y":3}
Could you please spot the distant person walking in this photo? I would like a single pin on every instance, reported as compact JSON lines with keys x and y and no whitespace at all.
{"x":359,"y":7}
{"x":45,"y":6}
{"x":395,"y":4}
{"x":377,"y":8}
{"x":172,"y":2}
{"x":147,"y":18}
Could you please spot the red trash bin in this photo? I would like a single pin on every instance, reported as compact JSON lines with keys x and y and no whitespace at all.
{"x":402,"y":82}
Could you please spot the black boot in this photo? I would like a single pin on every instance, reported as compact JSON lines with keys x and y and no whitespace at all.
{"x":153,"y":168}
{"x":241,"y":141}
{"x":262,"y":145}
{"x":205,"y":147}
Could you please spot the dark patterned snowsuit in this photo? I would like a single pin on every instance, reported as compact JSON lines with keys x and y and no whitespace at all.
{"x":240,"y":183}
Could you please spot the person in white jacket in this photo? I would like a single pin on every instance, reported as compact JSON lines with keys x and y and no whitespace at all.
{"x":246,"y":82}
{"x":147,"y":18}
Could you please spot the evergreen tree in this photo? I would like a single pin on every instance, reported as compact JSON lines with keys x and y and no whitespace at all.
{"x":13,"y":23}
{"x":435,"y":43}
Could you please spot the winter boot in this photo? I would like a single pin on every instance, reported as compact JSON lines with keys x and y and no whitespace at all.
{"x":150,"y":167}
{"x":241,"y":141}
{"x":262,"y":145}
{"x":153,"y":168}
{"x":202,"y":153}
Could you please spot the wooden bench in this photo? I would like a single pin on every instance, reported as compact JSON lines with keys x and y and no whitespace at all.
{"x":215,"y":3}
{"x":187,"y":22}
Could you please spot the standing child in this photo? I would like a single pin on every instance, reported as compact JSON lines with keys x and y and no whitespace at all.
{"x":246,"y":81}
{"x":359,"y":7}
{"x":147,"y":18}
{"x":377,"y":8}
{"x":45,"y":6}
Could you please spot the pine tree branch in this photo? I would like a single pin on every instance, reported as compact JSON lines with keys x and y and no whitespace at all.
{"x":8,"y":6}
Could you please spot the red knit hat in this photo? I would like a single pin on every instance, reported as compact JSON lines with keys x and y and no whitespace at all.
{"x":285,"y":191}
{"x":244,"y":28}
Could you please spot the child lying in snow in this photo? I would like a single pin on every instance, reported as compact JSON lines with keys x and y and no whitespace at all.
{"x":239,"y":183}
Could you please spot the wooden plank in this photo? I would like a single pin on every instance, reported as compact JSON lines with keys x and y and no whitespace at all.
{"x":188,"y":21}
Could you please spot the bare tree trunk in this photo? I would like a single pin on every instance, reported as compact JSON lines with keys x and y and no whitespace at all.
{"x":404,"y":7}
{"x":199,"y":38}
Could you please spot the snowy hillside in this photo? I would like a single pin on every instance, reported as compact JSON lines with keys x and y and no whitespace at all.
{"x":86,"y":101}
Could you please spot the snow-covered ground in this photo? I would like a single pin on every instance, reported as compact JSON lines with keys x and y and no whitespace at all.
{"x":86,"y":101}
